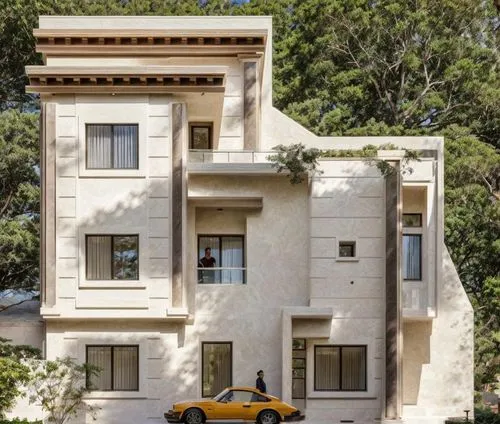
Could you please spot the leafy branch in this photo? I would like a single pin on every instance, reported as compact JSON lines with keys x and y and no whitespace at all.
{"x":302,"y":162}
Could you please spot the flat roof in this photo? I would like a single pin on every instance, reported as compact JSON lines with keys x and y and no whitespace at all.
{"x":157,"y":22}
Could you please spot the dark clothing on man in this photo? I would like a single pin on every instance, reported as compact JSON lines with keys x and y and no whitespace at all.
{"x":260,"y":385}
{"x":207,"y":262}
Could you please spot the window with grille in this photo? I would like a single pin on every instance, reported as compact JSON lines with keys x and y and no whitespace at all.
{"x":112,"y":257}
{"x":112,"y":146}
{"x":340,"y":368}
{"x":119,"y":367}
{"x":217,"y":367}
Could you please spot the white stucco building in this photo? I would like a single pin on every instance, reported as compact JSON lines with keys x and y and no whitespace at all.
{"x":155,"y":137}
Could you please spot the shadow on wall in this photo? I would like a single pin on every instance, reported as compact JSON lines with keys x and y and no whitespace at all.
{"x":416,"y":353}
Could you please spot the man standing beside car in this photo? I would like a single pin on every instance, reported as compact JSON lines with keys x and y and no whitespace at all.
{"x":260,"y":383}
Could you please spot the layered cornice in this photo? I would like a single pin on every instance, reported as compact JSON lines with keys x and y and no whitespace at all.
{"x":133,"y":42}
{"x":126,"y":79}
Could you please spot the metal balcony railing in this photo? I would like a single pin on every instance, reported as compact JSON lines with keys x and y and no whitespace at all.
{"x":222,"y":275}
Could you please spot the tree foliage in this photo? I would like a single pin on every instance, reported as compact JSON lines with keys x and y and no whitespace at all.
{"x":13,"y":372}
{"x":19,"y":200}
{"x":302,"y":163}
{"x":60,"y":386}
{"x":422,"y":64}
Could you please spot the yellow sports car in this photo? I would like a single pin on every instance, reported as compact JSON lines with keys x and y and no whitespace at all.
{"x":235,"y":403}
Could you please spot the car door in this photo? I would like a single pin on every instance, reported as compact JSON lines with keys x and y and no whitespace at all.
{"x":226,"y":407}
{"x":258,"y":402}
{"x":235,"y":405}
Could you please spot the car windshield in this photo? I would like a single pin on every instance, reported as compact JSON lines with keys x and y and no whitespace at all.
{"x":218,"y":397}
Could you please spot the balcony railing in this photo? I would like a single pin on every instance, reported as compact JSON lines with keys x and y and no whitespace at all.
{"x":226,"y":156}
{"x":222,"y":275}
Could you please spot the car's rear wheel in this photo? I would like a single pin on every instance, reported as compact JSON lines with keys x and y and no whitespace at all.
{"x":268,"y":417}
{"x":194,"y":416}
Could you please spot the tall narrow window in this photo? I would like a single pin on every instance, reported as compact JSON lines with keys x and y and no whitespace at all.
{"x":119,"y":367}
{"x":298,"y":368}
{"x":113,"y":257}
{"x":217,"y":366}
{"x":112,"y":146}
{"x":412,"y":246}
{"x":340,"y":368}
{"x":221,"y":259}
{"x":412,"y":257}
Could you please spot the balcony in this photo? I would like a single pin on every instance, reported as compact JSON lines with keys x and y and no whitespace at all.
{"x":229,"y":162}
{"x":234,"y":275}
{"x":415,"y":301}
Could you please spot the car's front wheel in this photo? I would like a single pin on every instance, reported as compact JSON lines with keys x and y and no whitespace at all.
{"x":194,"y":416}
{"x":268,"y":417}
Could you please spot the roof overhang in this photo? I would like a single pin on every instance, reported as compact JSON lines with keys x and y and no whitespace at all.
{"x":126,"y":79}
{"x":141,"y":42}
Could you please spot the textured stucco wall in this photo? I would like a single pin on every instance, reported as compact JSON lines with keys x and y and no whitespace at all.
{"x":247,"y":315}
{"x":438,"y":356}
{"x":113,"y":202}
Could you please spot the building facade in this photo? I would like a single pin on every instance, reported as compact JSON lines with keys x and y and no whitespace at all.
{"x":176,"y":258}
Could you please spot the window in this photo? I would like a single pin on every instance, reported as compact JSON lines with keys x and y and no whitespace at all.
{"x":112,"y":257}
{"x":340,"y":368}
{"x":412,"y":220}
{"x":298,"y":368}
{"x":412,"y":246}
{"x":217,"y":367}
{"x":200,"y":135}
{"x":225,"y":258}
{"x":412,"y":257}
{"x":259,"y":398}
{"x":119,"y":367}
{"x":347,"y":249}
{"x":112,"y":146}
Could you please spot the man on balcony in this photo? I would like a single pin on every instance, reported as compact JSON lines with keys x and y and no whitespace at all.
{"x":206,"y":261}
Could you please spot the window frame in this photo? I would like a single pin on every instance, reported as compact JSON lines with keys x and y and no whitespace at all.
{"x":340,"y":368}
{"x":230,"y":343}
{"x":303,"y":367}
{"x":420,"y":265}
{"x":219,"y":259}
{"x":355,"y":242}
{"x":419,"y":214}
{"x":209,"y":125}
{"x":112,"y":261}
{"x":112,"y":125}
{"x":112,"y":346}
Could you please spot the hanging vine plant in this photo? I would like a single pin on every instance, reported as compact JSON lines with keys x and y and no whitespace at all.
{"x":302,"y":163}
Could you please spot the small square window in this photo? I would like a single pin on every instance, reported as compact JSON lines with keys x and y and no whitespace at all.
{"x":112,"y":146}
{"x":200,"y":135}
{"x":347,"y":249}
{"x":412,"y":220}
{"x":112,"y":257}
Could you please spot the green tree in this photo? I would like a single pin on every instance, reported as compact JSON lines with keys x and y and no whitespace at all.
{"x":13,"y":373}
{"x":423,"y":64}
{"x":60,"y":386}
{"x":19,"y":200}
{"x":472,"y":231}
